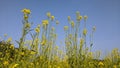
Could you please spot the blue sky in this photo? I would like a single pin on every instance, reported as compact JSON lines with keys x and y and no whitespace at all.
{"x":104,"y":14}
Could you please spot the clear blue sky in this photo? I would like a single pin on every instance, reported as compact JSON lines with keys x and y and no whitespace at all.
{"x":104,"y":14}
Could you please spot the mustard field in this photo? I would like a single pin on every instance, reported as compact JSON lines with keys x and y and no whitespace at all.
{"x":41,"y":51}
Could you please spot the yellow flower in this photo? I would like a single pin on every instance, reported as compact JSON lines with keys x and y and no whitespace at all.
{"x":26,"y":11}
{"x":70,"y":36}
{"x":44,"y":25}
{"x":81,"y":41}
{"x":25,"y":17}
{"x":27,"y":25}
{"x":50,"y":66}
{"x":56,"y":58}
{"x":32,"y":52}
{"x":31,"y":64}
{"x":9,"y":39}
{"x":11,"y":59}
{"x":45,"y":22}
{"x":16,"y":50}
{"x":65,"y":27}
{"x":44,"y":42}
{"x":85,"y":32}
{"x":77,"y":13}
{"x":1,"y":58}
{"x":85,"y":17}
{"x":52,"y":18}
{"x":114,"y":66}
{"x":72,"y":24}
{"x":41,"y":57}
{"x":55,"y":35}
{"x":100,"y":64}
{"x":12,"y":47}
{"x":5,"y":63}
{"x":22,"y":53}
{"x":57,"y":22}
{"x":79,"y":18}
{"x":94,"y":28}
{"x":37,"y":63}
{"x":58,"y":67}
{"x":5,"y":35}
{"x":38,"y":26}
{"x":48,"y":14}
{"x":90,"y":55}
{"x":37,"y":30}
{"x":52,"y":28}
{"x":69,"y":18}
{"x":67,"y":43}
{"x":15,"y":65}
{"x":36,"y":40}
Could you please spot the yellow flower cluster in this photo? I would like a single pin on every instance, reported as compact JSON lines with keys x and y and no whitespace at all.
{"x":37,"y":30}
{"x":45,"y":22}
{"x":67,"y":43}
{"x":15,"y":65}
{"x":114,"y":66}
{"x":84,"y":31}
{"x":70,"y":36}
{"x":44,"y":42}
{"x":57,"y":22}
{"x":0,"y":53}
{"x":52,"y":28}
{"x":5,"y":63}
{"x":77,"y":13}
{"x":52,"y":18}
{"x":25,"y":16}
{"x":48,"y":14}
{"x":100,"y":64}
{"x":27,"y":25}
{"x":85,"y":17}
{"x":22,"y":53}
{"x":26,"y":11}
{"x":5,"y":35}
{"x":38,"y":26}
{"x":72,"y":24}
{"x":79,"y":18}
{"x":12,"y":47}
{"x":32,"y":52}
{"x":9,"y":39}
{"x":69,"y":18}
{"x":81,"y":41}
{"x":65,"y":27}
